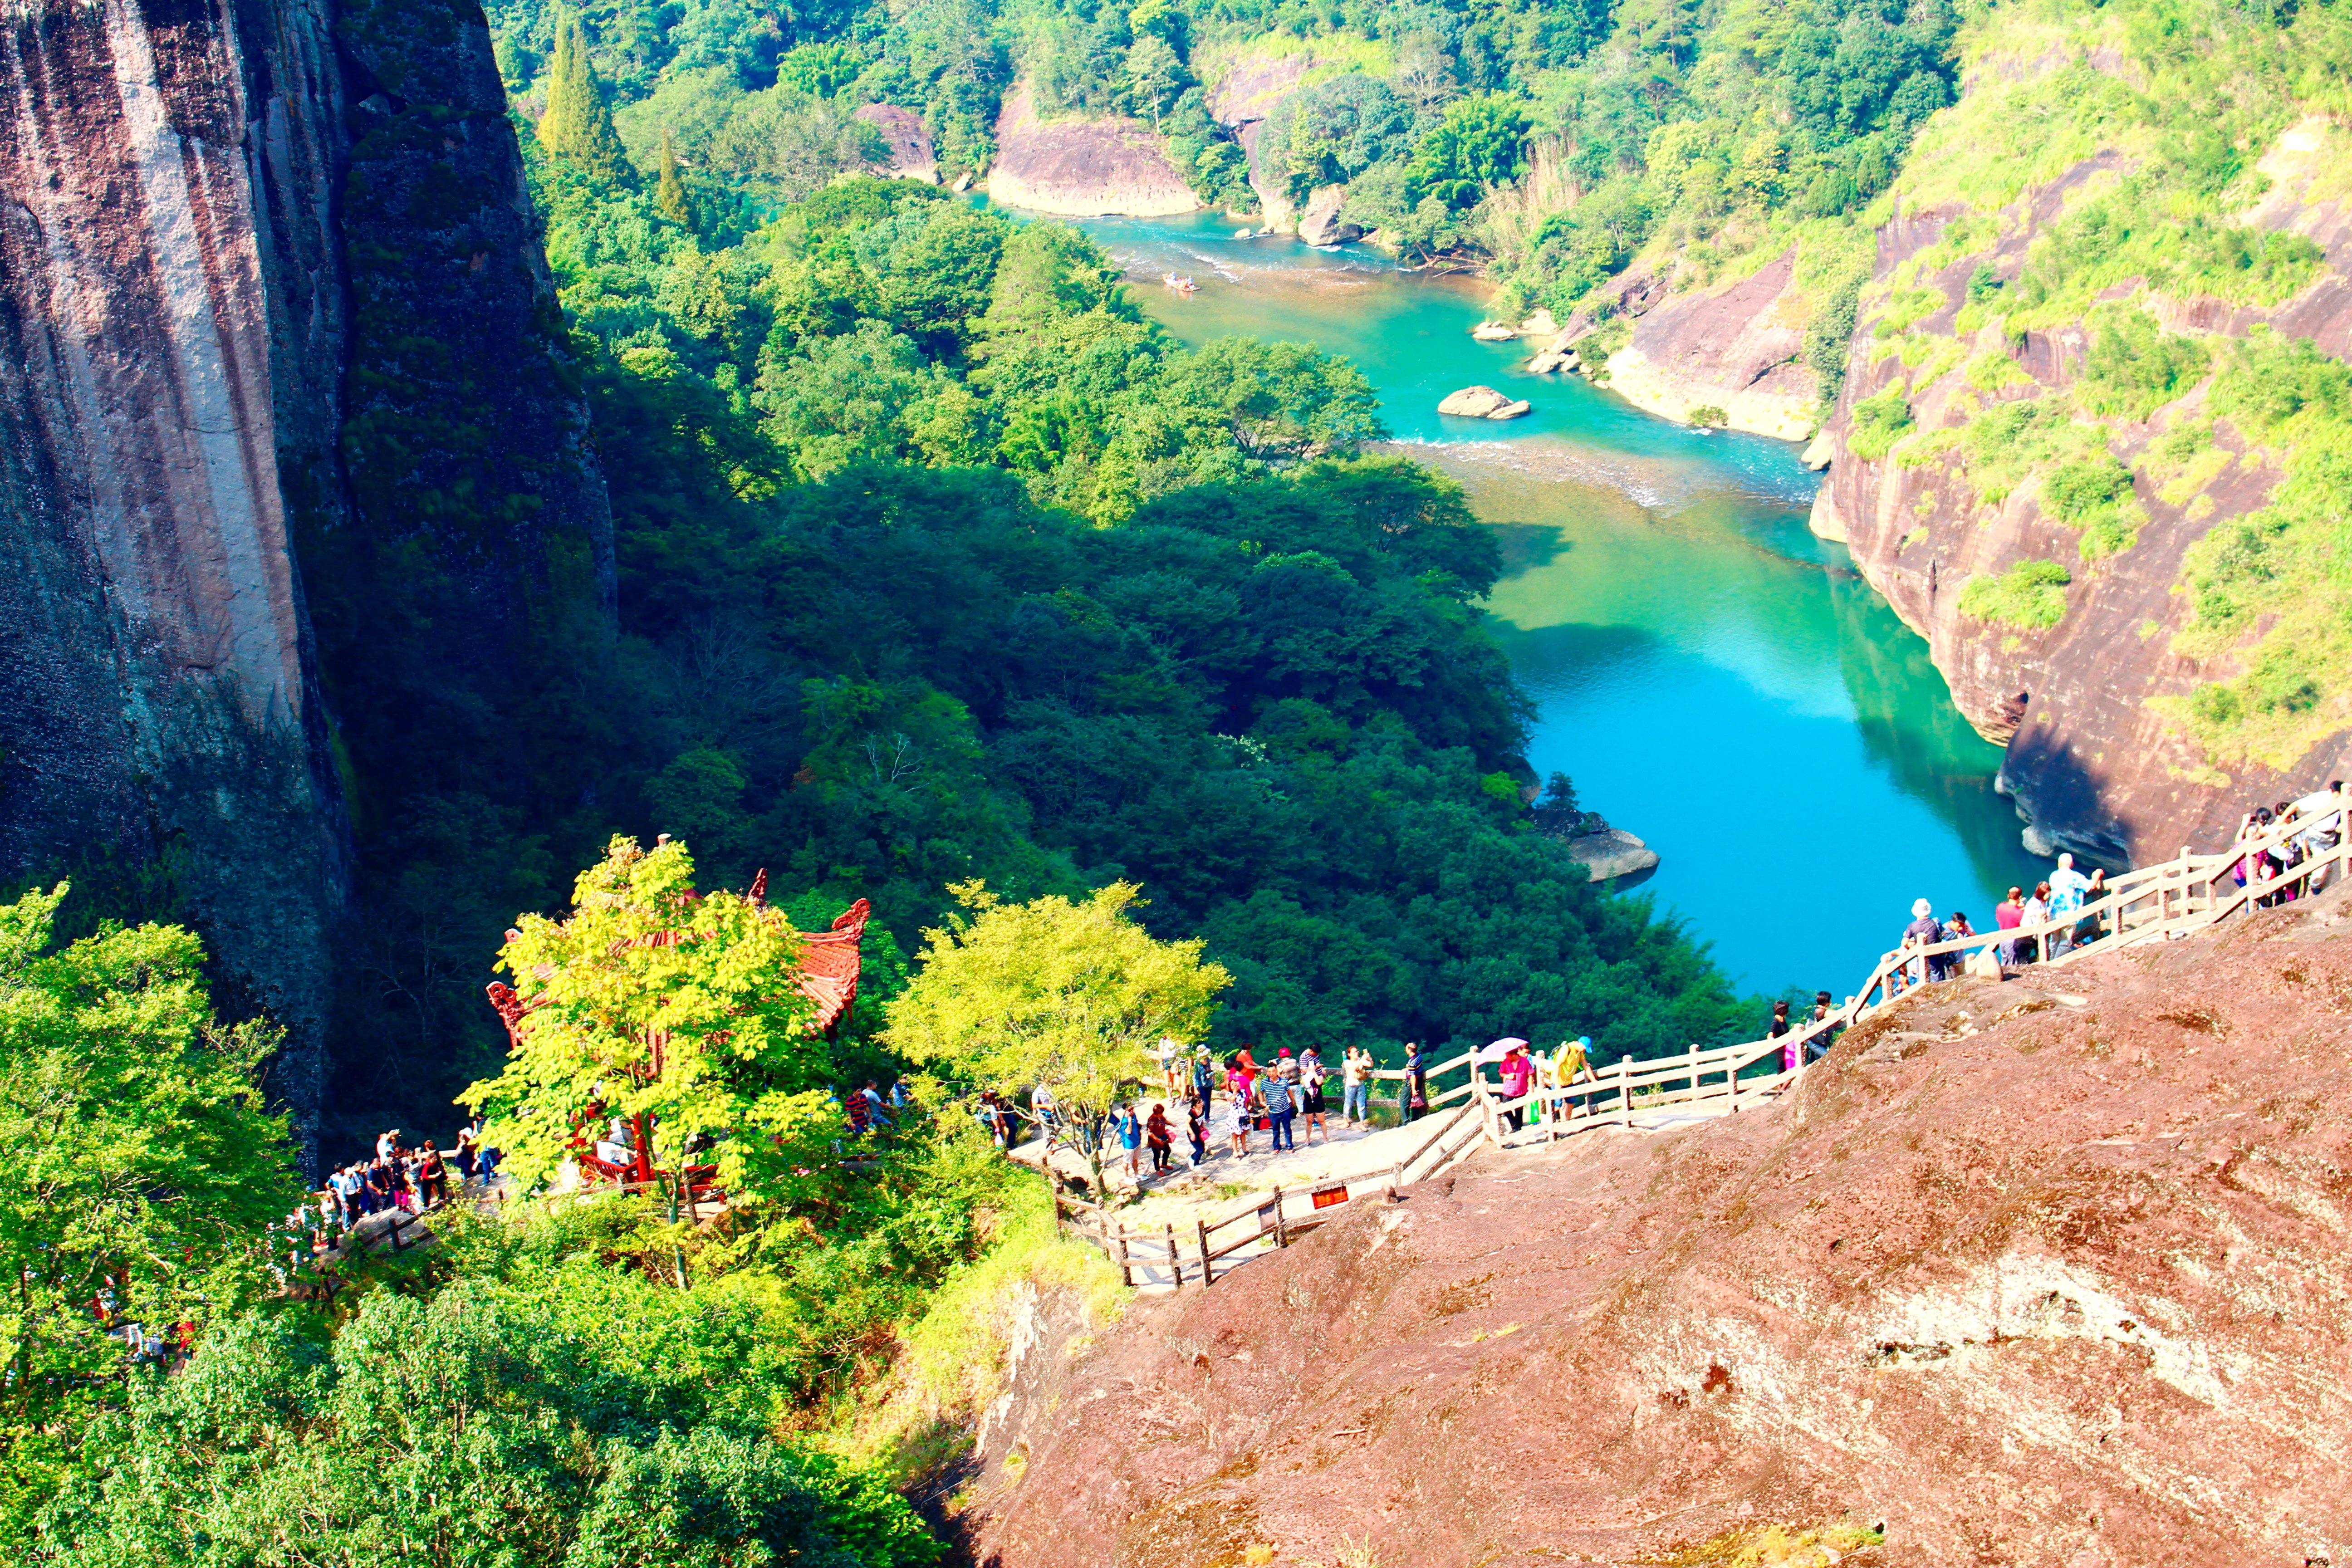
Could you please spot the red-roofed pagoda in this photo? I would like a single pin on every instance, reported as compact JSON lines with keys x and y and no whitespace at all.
{"x":827,"y":976}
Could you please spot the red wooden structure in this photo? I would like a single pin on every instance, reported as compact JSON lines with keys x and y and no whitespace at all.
{"x":827,"y":976}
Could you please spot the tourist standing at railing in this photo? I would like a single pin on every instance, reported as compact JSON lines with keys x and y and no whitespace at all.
{"x":1159,"y":1137}
{"x":2008,"y":916}
{"x":1204,"y":1074}
{"x":1311,"y":1080}
{"x":1817,"y":1043}
{"x":1922,"y":930}
{"x":2067,"y":887}
{"x":1518,"y":1071}
{"x":2320,"y":815}
{"x":1781,"y":1029}
{"x":2037,"y":912}
{"x":1413,"y":1093}
{"x":1355,"y":1085}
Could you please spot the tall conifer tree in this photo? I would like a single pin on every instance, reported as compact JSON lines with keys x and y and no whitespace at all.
{"x":670,"y":194}
{"x":578,"y":124}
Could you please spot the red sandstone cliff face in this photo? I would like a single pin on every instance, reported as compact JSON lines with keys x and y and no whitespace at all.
{"x":1738,"y":348}
{"x":238,"y":245}
{"x":1083,"y":167}
{"x":2090,"y":764}
{"x":2049,"y":1273}
{"x":156,"y":170}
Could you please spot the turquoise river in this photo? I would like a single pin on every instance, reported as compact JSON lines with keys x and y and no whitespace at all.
{"x":1713,"y":677}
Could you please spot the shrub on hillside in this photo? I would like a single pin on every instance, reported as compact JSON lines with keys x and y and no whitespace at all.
{"x":2031,"y":595}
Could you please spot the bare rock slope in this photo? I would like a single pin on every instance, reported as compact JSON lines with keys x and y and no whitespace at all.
{"x":2043,"y":1273}
{"x":1083,"y":167}
{"x":1736,"y":349}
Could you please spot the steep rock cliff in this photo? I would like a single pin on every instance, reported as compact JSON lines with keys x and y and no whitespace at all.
{"x":2046,"y":1273}
{"x":269,"y":287}
{"x":169,"y":317}
{"x":2097,"y":757}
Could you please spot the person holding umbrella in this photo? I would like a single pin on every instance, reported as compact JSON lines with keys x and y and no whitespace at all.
{"x":1518,"y":1073}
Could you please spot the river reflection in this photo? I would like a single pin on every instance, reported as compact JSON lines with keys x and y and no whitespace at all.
{"x":1713,"y":677}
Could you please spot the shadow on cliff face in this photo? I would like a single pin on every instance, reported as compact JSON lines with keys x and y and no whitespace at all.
{"x":2053,"y":784}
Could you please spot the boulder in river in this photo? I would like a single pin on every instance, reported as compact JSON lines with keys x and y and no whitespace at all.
{"x":1547,"y":362}
{"x":1474,"y":403}
{"x":1510,"y":410}
{"x":1611,"y":853}
{"x":1319,"y":222}
{"x":1494,"y":332}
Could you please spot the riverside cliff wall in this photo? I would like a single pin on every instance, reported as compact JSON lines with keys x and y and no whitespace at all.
{"x":216,"y":312}
{"x":2092,"y":760}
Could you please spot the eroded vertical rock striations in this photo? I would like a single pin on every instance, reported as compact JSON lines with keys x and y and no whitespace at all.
{"x":270,"y":284}
{"x":159,"y":716}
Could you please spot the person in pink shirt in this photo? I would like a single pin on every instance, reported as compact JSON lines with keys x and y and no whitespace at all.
{"x":1519,"y":1072}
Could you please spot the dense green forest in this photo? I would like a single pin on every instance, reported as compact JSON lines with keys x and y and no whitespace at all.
{"x":937,"y":560}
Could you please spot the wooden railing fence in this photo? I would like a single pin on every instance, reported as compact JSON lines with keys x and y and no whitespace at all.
{"x":2153,"y":903}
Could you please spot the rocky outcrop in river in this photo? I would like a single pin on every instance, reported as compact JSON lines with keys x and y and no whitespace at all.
{"x":2047,"y":1273}
{"x":1735,"y":350}
{"x":216,"y":294}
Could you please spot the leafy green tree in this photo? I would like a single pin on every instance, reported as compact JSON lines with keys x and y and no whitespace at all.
{"x":143,"y":1170}
{"x":673,"y":1010}
{"x":1155,"y":77}
{"x":820,"y":69}
{"x":462,"y":1430}
{"x":1069,"y":994}
{"x":1479,"y":145}
{"x":578,"y":124}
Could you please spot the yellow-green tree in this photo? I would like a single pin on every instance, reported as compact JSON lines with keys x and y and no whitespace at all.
{"x":669,"y":191}
{"x":578,"y":124}
{"x":677,"y":1011}
{"x":1074,"y":995}
{"x":141,"y":1176}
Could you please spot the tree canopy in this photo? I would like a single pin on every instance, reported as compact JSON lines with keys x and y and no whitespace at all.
{"x":143,"y":1170}
{"x":673,"y":1010}
{"x":1072,"y":994}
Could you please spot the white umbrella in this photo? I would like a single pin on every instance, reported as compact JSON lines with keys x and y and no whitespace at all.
{"x":1497,"y":1050}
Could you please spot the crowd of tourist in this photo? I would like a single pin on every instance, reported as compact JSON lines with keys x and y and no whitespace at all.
{"x":2273,"y":865}
{"x":398,"y":1178}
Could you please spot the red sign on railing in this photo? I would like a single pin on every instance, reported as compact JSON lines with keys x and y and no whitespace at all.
{"x":1326,"y":1197}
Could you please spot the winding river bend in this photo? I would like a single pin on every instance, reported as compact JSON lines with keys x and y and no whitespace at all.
{"x":1713,"y":677}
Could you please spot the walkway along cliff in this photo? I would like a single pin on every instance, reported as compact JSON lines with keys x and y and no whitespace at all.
{"x":246,"y":251}
{"x":2046,"y":1272}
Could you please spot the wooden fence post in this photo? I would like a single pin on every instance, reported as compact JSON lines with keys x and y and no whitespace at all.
{"x":1125,"y":1268}
{"x":1625,"y":1090}
{"x":1207,"y":1269}
{"x":1175,"y":1269}
{"x":1281,"y":1226}
{"x":1694,"y":1070}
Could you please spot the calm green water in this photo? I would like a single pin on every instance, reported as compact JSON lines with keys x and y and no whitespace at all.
{"x":1713,"y":677}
